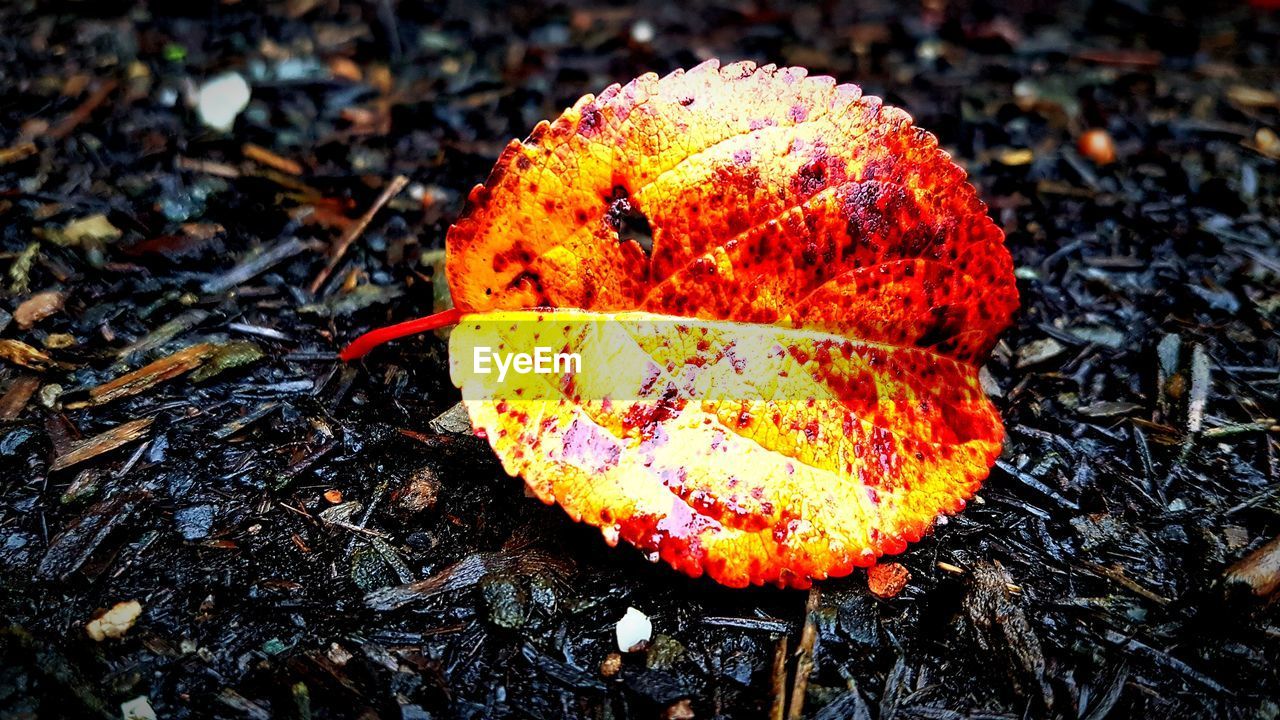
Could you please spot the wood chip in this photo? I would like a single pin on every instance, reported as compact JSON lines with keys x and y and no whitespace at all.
{"x":886,"y":580}
{"x":164,"y":333}
{"x":17,"y":152}
{"x":1116,"y":574}
{"x":115,"y":622}
{"x":145,"y":377}
{"x":1251,"y":97}
{"x":91,"y":228}
{"x":105,"y":442}
{"x":1038,"y":351}
{"x":68,"y":124}
{"x":1259,"y":570}
{"x":1122,"y":57}
{"x":208,"y":167}
{"x":15,"y":399}
{"x":1108,"y":408}
{"x":20,"y":353}
{"x":38,"y":307}
{"x":252,"y":265}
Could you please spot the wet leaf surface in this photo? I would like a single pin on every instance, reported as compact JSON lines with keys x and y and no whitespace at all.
{"x":1098,"y":521}
{"x":767,"y":199}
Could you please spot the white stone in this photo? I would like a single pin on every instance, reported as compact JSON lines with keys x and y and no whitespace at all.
{"x":221,"y":99}
{"x":634,"y":630}
{"x":115,"y":622}
{"x":642,"y":32}
{"x":138,"y":708}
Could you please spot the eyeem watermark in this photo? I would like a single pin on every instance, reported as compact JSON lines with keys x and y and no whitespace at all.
{"x":542,"y":361}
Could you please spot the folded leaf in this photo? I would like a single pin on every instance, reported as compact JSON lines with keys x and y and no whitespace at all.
{"x":755,"y":453}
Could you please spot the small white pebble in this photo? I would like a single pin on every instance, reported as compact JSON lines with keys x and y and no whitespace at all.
{"x":221,"y":99}
{"x":634,"y":630}
{"x":928,"y":51}
{"x":115,"y":622}
{"x":138,"y":708}
{"x":642,"y":32}
{"x":167,"y":97}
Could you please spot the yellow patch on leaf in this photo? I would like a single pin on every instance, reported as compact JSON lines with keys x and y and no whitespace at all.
{"x":755,"y":453}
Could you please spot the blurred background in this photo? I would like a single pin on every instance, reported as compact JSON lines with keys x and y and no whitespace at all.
{"x":175,"y":178}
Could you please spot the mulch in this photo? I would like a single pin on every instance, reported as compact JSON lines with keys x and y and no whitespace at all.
{"x":313,"y":539}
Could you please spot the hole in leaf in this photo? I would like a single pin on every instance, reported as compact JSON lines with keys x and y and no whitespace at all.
{"x":624,"y":216}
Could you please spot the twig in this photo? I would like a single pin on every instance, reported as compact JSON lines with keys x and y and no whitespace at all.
{"x":779,"y":684}
{"x":17,"y":152}
{"x":957,"y":570}
{"x":15,"y":399}
{"x":1034,"y":484}
{"x":776,"y":627}
{"x":1267,"y":425}
{"x":263,"y":156}
{"x":208,"y":167}
{"x":1163,"y":658}
{"x":253,"y":266}
{"x":344,"y":243}
{"x":82,"y":112}
{"x":804,"y":657}
{"x":1201,"y":381}
{"x":1117,"y":575}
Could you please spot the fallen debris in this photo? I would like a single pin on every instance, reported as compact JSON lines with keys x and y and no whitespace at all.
{"x":633,"y":631}
{"x":15,"y":399}
{"x":38,"y":307}
{"x":1259,"y":571}
{"x":1004,"y":629}
{"x":340,"y":247}
{"x":83,"y":111}
{"x":114,"y":623}
{"x":103,"y":442}
{"x":887,"y":579}
{"x":72,"y":548}
{"x":20,"y":353}
{"x":91,"y":228}
{"x":263,"y":156}
{"x":138,"y":708}
{"x":146,"y":377}
{"x":1039,"y":351}
{"x":220,"y":100}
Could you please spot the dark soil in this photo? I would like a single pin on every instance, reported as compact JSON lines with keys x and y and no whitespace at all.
{"x":1138,"y":384}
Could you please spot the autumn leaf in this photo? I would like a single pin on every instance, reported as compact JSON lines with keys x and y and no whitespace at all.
{"x":779,"y":290}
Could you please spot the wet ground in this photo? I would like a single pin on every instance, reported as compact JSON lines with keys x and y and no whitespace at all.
{"x":304,"y":541}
